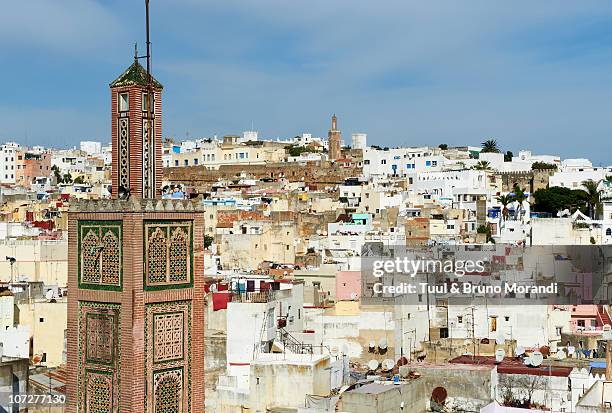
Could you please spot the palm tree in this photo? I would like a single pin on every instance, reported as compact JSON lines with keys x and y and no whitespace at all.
{"x":482,"y":166}
{"x":490,"y":146}
{"x":593,"y":197}
{"x":504,"y":200}
{"x":519,"y":196}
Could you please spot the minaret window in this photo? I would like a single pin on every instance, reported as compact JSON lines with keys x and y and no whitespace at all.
{"x":123,"y":102}
{"x":145,"y":102}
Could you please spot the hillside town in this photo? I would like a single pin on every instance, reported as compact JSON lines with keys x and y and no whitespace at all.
{"x":286,"y":322}
{"x":243,"y":272}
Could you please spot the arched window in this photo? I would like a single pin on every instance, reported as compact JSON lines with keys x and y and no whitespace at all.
{"x":111,"y":259}
{"x":179,"y":256}
{"x":168,"y":394}
{"x":90,"y":270}
{"x":157,"y":254}
{"x":609,"y":232}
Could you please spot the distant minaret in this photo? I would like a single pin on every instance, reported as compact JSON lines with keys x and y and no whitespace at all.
{"x":334,"y":139}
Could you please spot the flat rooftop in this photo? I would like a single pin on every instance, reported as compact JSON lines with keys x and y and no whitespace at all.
{"x":379,"y":387}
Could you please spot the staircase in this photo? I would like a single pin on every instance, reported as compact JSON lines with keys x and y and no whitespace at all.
{"x":292,"y":344}
{"x":603,"y":315}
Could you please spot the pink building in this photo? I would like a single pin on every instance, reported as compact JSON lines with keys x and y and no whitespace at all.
{"x":348,"y":285}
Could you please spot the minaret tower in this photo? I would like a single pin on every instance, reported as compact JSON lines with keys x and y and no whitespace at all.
{"x":136,"y":134}
{"x":334,"y":139}
{"x":135,"y":338}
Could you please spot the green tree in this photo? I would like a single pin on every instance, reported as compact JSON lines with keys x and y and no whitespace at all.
{"x":504,"y":200}
{"x":490,"y":146}
{"x":443,"y":146}
{"x":57,"y":174}
{"x":67,"y":178}
{"x":79,"y":180}
{"x":519,"y":196}
{"x":482,"y":166}
{"x":593,"y":197}
{"x":557,"y":198}
{"x":542,"y":165}
{"x":508,"y":156}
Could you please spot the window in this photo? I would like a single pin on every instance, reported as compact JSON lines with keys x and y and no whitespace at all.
{"x":123,"y":102}
{"x":186,"y":161}
{"x":558,"y":331}
{"x":41,"y":320}
{"x":427,"y":163}
{"x":145,"y":102}
{"x":460,"y":319}
{"x":493,"y":324}
{"x":609,"y":232}
{"x":176,"y":162}
{"x":444,"y":332}
{"x":195,"y":161}
{"x":434,"y":163}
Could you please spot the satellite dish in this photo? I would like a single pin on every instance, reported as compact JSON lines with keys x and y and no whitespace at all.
{"x":560,"y":355}
{"x":49,"y":295}
{"x":388,"y":364}
{"x":372,"y":365}
{"x":527,"y":361}
{"x":382,"y":343}
{"x":520,"y":350}
{"x":354,"y":296}
{"x":402,"y":361}
{"x":439,"y":395}
{"x":499,"y":355}
{"x":571,"y":350}
{"x":500,"y":340}
{"x":536,"y":359}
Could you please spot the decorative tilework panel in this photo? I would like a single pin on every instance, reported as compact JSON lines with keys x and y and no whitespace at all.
{"x":168,"y":336}
{"x":168,"y":258}
{"x":100,"y":254}
{"x":99,"y":357}
{"x":100,"y":337}
{"x":157,"y":253}
{"x":124,"y":154}
{"x":168,"y":391}
{"x":90,"y":271}
{"x":111,"y":259}
{"x":179,"y":255}
{"x":99,"y":393}
{"x":168,"y":356}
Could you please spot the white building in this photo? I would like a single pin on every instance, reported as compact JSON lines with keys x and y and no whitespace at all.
{"x":91,"y":147}
{"x":401,"y":161}
{"x":8,"y":162}
{"x":359,"y":141}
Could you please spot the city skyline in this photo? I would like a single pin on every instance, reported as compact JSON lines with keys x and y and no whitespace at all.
{"x":406,"y":74}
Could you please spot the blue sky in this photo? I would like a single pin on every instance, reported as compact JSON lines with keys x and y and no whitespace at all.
{"x":532,"y":75}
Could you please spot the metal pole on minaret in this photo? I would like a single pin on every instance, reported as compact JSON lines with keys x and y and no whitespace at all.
{"x":149,"y":176}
